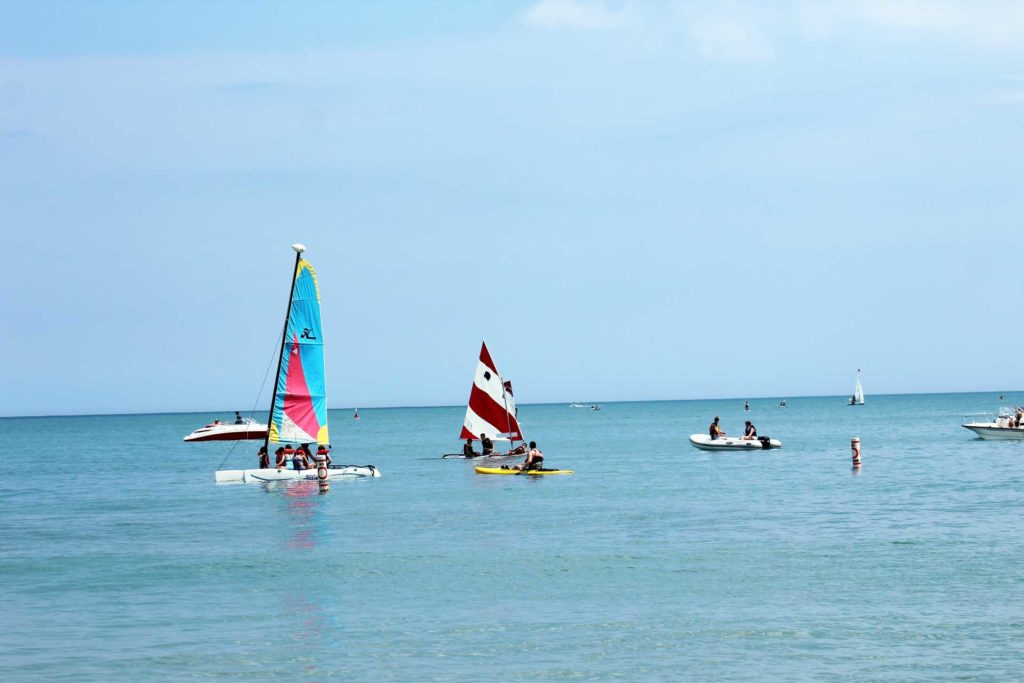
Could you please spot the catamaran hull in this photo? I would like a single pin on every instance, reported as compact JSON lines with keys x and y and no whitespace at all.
{"x":261,"y":475}
{"x":728,"y":443}
{"x":230,"y":432}
{"x":987,"y":431}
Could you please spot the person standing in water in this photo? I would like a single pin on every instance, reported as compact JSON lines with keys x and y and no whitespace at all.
{"x":746,"y":405}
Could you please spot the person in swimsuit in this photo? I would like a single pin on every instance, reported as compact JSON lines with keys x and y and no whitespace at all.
{"x":518,"y":450}
{"x":714,"y":430}
{"x":751,"y":433}
{"x":299,"y":461}
{"x":486,"y":445}
{"x":264,"y":458}
{"x":534,"y":459}
{"x":282,"y":462}
{"x":467,"y":449}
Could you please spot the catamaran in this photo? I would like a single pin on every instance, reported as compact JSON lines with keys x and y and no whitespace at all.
{"x":858,"y":393}
{"x":491,"y":410}
{"x":298,"y":408}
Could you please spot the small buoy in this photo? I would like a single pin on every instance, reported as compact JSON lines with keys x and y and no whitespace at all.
{"x":323,"y":478}
{"x":855,"y":446}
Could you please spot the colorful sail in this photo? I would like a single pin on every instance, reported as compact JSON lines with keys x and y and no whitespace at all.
{"x":300,"y":404}
{"x":491,"y":409}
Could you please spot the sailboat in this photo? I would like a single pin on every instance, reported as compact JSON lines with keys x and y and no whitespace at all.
{"x":356,"y":415}
{"x":298,"y":408}
{"x":492,"y":407}
{"x":858,"y":393}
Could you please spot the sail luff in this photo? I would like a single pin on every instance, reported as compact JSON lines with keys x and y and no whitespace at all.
{"x":280,"y":355}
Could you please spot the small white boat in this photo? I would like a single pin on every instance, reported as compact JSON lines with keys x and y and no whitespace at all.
{"x":273,"y":474}
{"x":732,"y":443}
{"x":239,"y":431}
{"x":995,"y":428}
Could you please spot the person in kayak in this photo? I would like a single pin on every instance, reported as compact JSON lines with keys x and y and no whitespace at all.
{"x":264,"y":458}
{"x":467,"y":449}
{"x":486,"y":445}
{"x":282,"y":462}
{"x":714,"y":430}
{"x":534,"y":459}
{"x":751,"y":433}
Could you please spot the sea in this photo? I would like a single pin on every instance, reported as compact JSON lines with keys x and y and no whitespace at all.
{"x":121,"y":559}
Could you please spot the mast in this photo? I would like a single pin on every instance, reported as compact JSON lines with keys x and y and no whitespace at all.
{"x":299,"y":248}
{"x":504,"y":397}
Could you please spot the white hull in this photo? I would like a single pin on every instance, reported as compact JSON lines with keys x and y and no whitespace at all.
{"x":336,"y":472}
{"x":987,"y":430}
{"x":730,"y":443}
{"x":251,"y":431}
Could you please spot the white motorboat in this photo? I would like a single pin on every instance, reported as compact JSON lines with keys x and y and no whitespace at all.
{"x":247,"y":429}
{"x":997,"y":428}
{"x":732,"y":443}
{"x":283,"y":474}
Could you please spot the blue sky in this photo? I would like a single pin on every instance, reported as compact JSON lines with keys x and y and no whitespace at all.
{"x":627,"y":200}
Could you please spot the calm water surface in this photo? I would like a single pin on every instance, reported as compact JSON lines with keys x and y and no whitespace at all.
{"x":655,"y":561}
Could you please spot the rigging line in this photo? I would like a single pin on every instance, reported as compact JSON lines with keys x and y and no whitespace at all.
{"x":233,"y":446}
{"x":264,"y":382}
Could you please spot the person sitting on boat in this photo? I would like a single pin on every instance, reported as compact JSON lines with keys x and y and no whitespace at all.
{"x":288,"y":452}
{"x":282,"y":462}
{"x":518,"y":450}
{"x":264,"y":458}
{"x":534,"y":459}
{"x":751,"y":433}
{"x":238,"y":418}
{"x":467,"y":449}
{"x":486,"y":445}
{"x":299,"y":461}
{"x":714,"y":430}
{"x":216,"y":423}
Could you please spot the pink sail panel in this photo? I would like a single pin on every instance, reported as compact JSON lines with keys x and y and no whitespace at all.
{"x":298,"y":404}
{"x":491,"y":408}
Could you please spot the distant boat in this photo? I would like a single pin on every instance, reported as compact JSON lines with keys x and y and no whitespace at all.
{"x":595,"y":407}
{"x":858,"y":393}
{"x":577,"y":405}
{"x":298,"y":406}
{"x":247,"y":429}
{"x":491,"y":409}
{"x":356,"y":416}
{"x":782,"y":403}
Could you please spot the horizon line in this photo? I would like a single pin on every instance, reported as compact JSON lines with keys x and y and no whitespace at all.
{"x":539,"y":403}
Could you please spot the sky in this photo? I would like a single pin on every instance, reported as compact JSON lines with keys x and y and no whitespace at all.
{"x":626,"y":200}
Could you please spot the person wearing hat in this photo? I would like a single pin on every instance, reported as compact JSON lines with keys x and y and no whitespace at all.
{"x":751,"y":432}
{"x":714,"y":430}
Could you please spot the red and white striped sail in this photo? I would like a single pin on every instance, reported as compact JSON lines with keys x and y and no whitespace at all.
{"x":492,"y":408}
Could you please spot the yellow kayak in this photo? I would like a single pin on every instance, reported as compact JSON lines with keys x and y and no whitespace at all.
{"x":504,"y":470}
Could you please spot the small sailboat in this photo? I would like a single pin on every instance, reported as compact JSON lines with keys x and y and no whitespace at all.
{"x":491,"y":410}
{"x":858,"y":393}
{"x":298,"y":408}
{"x":356,"y":415}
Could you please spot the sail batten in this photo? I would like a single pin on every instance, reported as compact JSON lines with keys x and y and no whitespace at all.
{"x":491,"y":409}
{"x":299,"y":412}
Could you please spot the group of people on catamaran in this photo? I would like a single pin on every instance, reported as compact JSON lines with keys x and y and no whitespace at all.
{"x":301,"y":458}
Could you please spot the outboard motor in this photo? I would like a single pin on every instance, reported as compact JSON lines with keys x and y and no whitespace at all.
{"x":765,"y":441}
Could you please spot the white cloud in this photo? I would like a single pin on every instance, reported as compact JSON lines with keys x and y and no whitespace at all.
{"x":577,"y":14}
{"x":720,"y":39}
{"x":988,"y":23}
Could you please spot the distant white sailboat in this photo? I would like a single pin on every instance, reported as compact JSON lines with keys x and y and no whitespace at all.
{"x":858,"y":393}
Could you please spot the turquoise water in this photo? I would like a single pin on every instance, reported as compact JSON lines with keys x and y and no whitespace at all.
{"x":121,"y":559}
